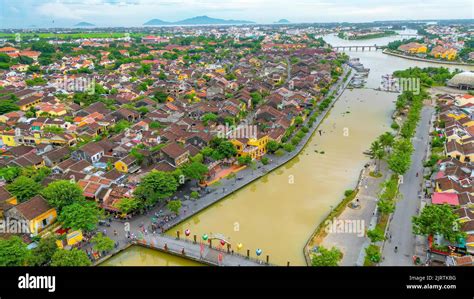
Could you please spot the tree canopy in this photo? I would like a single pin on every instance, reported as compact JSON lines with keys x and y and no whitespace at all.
{"x":438,"y":220}
{"x":70,"y":258}
{"x":13,"y":252}
{"x":81,"y":214}
{"x":326,"y":257}
{"x":62,"y":193}
{"x":24,"y":188}
{"x":156,"y":186}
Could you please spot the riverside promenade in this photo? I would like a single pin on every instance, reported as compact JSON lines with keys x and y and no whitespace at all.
{"x":217,"y":192}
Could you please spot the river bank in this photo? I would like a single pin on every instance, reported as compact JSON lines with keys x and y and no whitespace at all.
{"x":388,"y":52}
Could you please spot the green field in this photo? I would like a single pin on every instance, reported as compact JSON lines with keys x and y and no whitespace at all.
{"x":74,"y":35}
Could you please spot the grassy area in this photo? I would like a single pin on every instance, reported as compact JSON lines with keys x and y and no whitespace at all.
{"x":375,"y":174}
{"x":320,"y":231}
{"x":373,"y":251}
{"x":382,"y":223}
{"x":72,"y":35}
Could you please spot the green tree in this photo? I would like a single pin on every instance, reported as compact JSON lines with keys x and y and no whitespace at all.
{"x":256,"y":98}
{"x":42,"y":254}
{"x":376,"y":235}
{"x":438,"y":220}
{"x":195,"y":170}
{"x":298,"y":120}
{"x":24,"y":188}
{"x":156,"y":186}
{"x":326,"y":257}
{"x":386,"y":206}
{"x":8,"y":106}
{"x":399,"y":162}
{"x":209,"y":117}
{"x":62,"y":193}
{"x":127,"y":205}
{"x":372,"y":253}
{"x":387,"y":139}
{"x":13,"y":252}
{"x":80,"y":214}
{"x":224,"y":150}
{"x":244,"y":160}
{"x":273,"y":146}
{"x":174,"y":206}
{"x":36,"y":174}
{"x":102,"y":243}
{"x":70,"y":258}
{"x":10,"y":173}
{"x":4,"y":58}
{"x":160,"y":96}
{"x":377,"y":153}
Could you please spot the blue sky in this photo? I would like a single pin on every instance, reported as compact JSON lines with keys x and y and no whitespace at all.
{"x":57,"y":13}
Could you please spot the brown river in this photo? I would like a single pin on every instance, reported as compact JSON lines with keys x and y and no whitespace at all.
{"x":279,"y":212}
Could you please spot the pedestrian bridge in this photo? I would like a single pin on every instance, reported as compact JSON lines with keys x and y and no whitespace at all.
{"x":357,"y":48}
{"x":201,"y":252}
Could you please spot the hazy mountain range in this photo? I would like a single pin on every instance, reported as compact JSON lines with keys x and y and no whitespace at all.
{"x":84,"y":24}
{"x":200,"y":20}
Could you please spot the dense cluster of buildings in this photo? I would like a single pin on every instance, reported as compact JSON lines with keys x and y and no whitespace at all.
{"x":440,"y":42}
{"x":453,"y":179}
{"x":151,"y":103}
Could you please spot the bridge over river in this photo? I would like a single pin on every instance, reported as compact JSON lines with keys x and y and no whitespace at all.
{"x":359,"y":47}
{"x":211,"y":253}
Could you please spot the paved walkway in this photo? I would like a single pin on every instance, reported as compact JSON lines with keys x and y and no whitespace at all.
{"x":207,"y":255}
{"x":401,"y":223}
{"x":352,"y":243}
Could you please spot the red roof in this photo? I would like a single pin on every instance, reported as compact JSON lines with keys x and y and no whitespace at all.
{"x":439,"y":198}
{"x":440,"y":175}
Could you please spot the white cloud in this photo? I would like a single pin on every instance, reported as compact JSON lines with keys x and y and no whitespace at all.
{"x":58,"y":10}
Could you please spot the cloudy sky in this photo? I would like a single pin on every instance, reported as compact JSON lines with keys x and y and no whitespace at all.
{"x":57,"y":13}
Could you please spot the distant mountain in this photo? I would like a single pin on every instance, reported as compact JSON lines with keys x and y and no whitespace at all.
{"x":282,"y":21}
{"x":205,"y":20}
{"x":200,"y":20}
{"x":156,"y":22}
{"x":84,"y":24}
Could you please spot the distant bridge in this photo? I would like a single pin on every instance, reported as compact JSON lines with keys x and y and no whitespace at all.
{"x":357,"y":48}
{"x":408,"y":35}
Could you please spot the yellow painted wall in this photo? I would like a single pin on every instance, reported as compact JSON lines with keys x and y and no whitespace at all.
{"x":9,"y":140}
{"x":120,"y":166}
{"x":36,"y":223}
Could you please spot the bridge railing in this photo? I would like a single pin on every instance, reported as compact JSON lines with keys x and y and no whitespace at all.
{"x":191,"y":242}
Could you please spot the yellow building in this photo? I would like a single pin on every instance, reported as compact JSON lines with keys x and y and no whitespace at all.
{"x":253,"y":147}
{"x":8,"y":138}
{"x":26,"y":103}
{"x":444,"y":53}
{"x":126,"y":164}
{"x":36,"y":212}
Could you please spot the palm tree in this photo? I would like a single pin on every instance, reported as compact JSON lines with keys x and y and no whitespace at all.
{"x":377,"y":153}
{"x":387,"y":139}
